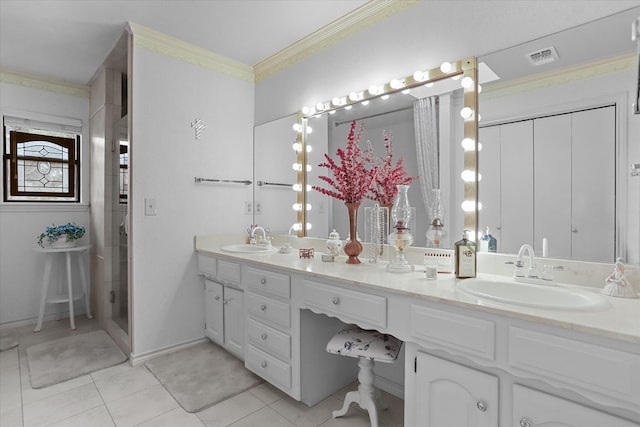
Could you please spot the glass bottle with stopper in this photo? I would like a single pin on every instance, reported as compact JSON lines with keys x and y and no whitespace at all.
{"x":401,"y":237}
{"x":436,"y":232}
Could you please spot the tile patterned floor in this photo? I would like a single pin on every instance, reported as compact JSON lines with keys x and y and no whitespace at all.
{"x":124,"y":396}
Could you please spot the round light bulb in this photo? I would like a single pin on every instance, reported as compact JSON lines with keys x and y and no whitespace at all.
{"x":348,"y":107}
{"x":309,"y":148}
{"x":308,"y":168}
{"x":419,"y":76}
{"x":297,"y":226}
{"x":309,"y":226}
{"x":297,"y":187}
{"x":297,"y":126}
{"x":319,"y":106}
{"x":446,"y":67}
{"x":353,"y":96}
{"x":309,"y":188}
{"x":466,"y":112}
{"x":336,"y":101}
{"x":309,"y":129}
{"x":306,"y":110}
{"x":428,"y":85}
{"x":373,"y":90}
{"x":365,"y":102}
{"x":467,"y":82}
{"x":468,"y":206}
{"x":468,"y":144}
{"x":396,"y":83}
{"x":479,"y":89}
{"x":296,"y":167}
{"x":406,"y":91}
{"x":308,"y":206}
{"x":469,"y":176}
{"x":297,"y":207}
{"x":297,"y":146}
{"x":385,"y":97}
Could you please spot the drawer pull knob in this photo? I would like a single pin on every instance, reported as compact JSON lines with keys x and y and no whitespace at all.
{"x":525,"y":422}
{"x":263,"y":364}
{"x":335,"y":300}
{"x":263,"y":307}
{"x":217,"y":298}
{"x":263,"y":336}
{"x":482,"y":406}
{"x":263,"y":281}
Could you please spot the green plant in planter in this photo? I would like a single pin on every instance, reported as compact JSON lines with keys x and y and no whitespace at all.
{"x":72,"y":231}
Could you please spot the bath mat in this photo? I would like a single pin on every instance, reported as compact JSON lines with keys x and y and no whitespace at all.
{"x":201,"y":376}
{"x":60,"y":360}
{"x":8,"y":339}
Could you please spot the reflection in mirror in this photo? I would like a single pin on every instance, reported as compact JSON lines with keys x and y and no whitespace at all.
{"x":557,"y":145}
{"x":394,"y":113}
{"x":273,"y":175}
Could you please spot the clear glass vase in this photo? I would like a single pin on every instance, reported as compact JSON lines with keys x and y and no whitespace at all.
{"x":401,"y":237}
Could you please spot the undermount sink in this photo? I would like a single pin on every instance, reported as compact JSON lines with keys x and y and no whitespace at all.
{"x":246,"y":249}
{"x":510,"y":291}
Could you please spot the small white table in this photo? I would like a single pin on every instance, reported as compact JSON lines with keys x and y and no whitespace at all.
{"x":51,"y":253}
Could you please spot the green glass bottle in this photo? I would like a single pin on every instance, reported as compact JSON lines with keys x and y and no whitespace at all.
{"x":465,"y":257}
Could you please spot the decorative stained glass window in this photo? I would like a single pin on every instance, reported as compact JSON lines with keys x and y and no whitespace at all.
{"x":40,"y":166}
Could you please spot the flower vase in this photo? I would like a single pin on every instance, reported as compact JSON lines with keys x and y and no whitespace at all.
{"x":353,"y":248}
{"x":62,"y":242}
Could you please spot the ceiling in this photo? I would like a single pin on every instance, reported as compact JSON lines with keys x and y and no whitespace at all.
{"x":69,"y":39}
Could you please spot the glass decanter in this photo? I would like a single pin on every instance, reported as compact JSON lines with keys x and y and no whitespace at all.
{"x":401,"y":238}
{"x":436,"y":232}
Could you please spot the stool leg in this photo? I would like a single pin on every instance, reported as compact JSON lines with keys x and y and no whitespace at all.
{"x":367,"y":390}
{"x":70,"y":291}
{"x":351,"y":397}
{"x":43,"y":297}
{"x":83,"y":280}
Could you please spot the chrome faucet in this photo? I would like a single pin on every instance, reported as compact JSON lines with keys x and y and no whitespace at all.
{"x":265,"y":241}
{"x":519,"y":264}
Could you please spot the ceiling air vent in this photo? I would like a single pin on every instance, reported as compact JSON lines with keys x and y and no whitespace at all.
{"x":543,"y":56}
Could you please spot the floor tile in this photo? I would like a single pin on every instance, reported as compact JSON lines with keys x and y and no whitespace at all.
{"x":393,"y":416}
{"x":96,"y":417}
{"x":304,"y":416}
{"x":10,"y":391}
{"x":267,"y":393}
{"x":265,"y":417}
{"x":177,"y":417}
{"x":62,"y":405}
{"x":231,"y":410}
{"x":122,"y":380}
{"x":30,"y":395}
{"x":141,"y":406}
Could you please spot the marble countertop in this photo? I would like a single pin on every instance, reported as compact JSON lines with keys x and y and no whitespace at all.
{"x":621,"y":321}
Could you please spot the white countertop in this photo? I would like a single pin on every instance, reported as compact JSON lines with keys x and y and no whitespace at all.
{"x":621,"y":321}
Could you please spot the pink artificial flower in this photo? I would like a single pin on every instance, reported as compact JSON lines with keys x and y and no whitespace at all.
{"x":384,"y":188}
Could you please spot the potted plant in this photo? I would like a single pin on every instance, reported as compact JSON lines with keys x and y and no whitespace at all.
{"x":61,"y":235}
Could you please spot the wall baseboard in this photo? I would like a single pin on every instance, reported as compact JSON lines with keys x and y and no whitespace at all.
{"x":137,"y":359}
{"x":389,"y":386}
{"x":64,"y":316}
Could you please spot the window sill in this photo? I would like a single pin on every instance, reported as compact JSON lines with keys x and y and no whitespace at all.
{"x":18,"y":207}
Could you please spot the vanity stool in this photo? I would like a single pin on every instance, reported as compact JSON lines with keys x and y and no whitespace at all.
{"x":369,"y":347}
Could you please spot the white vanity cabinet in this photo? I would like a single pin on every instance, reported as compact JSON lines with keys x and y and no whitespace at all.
{"x":448,"y":394}
{"x":532,"y":408}
{"x":268,"y":315}
{"x":224,"y":303}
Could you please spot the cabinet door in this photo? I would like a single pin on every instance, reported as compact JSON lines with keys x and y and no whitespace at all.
{"x":452,"y":395}
{"x":533,"y":408}
{"x":214,"y":312}
{"x":234,"y":321}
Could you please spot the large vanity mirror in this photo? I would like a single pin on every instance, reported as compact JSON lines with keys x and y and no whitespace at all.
{"x":589,"y":87}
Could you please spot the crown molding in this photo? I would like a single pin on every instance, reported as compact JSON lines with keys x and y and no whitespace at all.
{"x":162,"y":44}
{"x":32,"y":81}
{"x":559,"y":77}
{"x":364,"y":17}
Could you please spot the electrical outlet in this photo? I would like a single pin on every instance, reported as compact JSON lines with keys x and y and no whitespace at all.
{"x":258,"y":208}
{"x":248,"y":208}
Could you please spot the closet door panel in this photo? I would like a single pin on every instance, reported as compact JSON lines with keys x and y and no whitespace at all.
{"x":593,"y":177}
{"x":489,"y":185}
{"x":552,"y":185}
{"x":516,"y":182}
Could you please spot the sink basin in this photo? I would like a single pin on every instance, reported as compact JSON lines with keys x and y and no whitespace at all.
{"x":246,"y":249}
{"x":510,"y":291}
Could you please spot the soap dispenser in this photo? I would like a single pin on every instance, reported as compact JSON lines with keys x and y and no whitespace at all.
{"x":465,"y":257}
{"x":488,"y":243}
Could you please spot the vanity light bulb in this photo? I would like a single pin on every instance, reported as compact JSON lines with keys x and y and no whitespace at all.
{"x":320,"y":106}
{"x":308,"y":206}
{"x":308,"y":188}
{"x":385,"y":97}
{"x":336,"y":102}
{"x":308,"y":168}
{"x":419,"y":76}
{"x":467,"y":82}
{"x":429,"y":84}
{"x":296,"y":167}
{"x":332,"y":112}
{"x":309,"y":148}
{"x":468,"y":144}
{"x":479,"y":89}
{"x":446,"y":67}
{"x":306,"y":111}
{"x":297,"y":207}
{"x":373,"y":90}
{"x":308,"y":226}
{"x":406,"y":91}
{"x":365,"y":102}
{"x":309,"y":129}
{"x":348,"y":107}
{"x":469,"y":176}
{"x":297,"y":226}
{"x":354,"y":96}
{"x":466,"y":112}
{"x":297,"y":187}
{"x":297,"y":146}
{"x":296,"y":126}
{"x":468,"y":206}
{"x":396,"y":83}
{"x":456,"y":77}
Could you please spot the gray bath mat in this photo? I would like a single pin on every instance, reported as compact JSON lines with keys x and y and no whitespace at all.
{"x":201,"y":376}
{"x":8,"y":339}
{"x":60,"y":360}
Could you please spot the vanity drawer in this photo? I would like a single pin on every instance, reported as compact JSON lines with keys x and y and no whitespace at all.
{"x":589,"y":366}
{"x":458,"y":332}
{"x":347,"y":305}
{"x":207,"y":266}
{"x":268,"y":282}
{"x":269,"y":339}
{"x":268,"y":310}
{"x":229,"y":272}
{"x":268,"y":367}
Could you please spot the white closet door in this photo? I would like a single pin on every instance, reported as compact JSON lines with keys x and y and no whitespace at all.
{"x":593,"y":177}
{"x":552,"y":194}
{"x":516,"y":182}
{"x":489,"y":185}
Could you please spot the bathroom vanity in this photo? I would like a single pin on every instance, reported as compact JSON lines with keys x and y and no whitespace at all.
{"x":468,"y":361}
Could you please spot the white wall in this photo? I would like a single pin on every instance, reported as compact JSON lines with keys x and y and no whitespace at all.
{"x":168,"y":296}
{"x":21,"y":268}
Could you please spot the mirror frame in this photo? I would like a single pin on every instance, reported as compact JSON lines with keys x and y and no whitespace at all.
{"x":467,"y":67}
